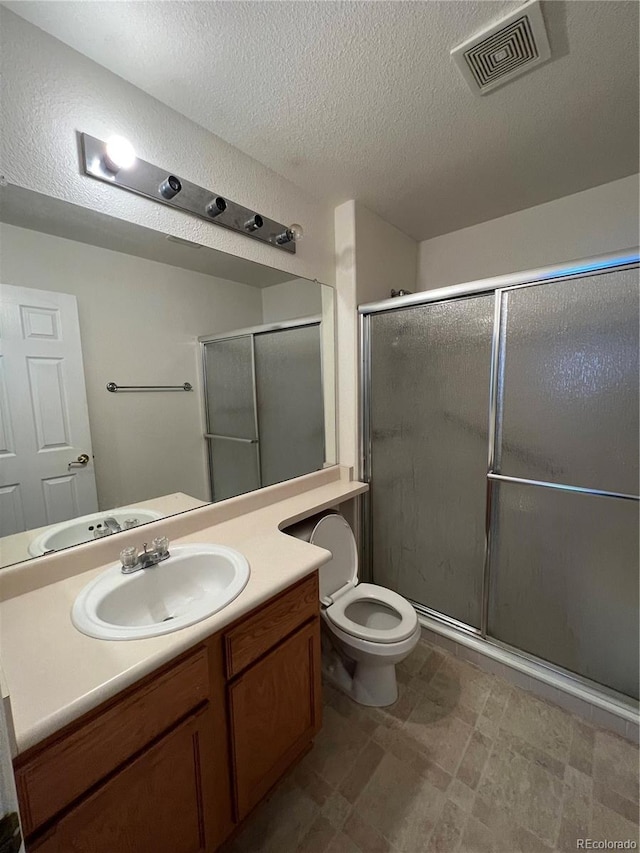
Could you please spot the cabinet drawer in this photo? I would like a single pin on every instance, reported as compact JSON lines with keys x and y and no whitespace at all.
{"x":258,"y":633}
{"x":68,"y":766}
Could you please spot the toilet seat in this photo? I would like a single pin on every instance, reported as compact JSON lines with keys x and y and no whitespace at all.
{"x":372,"y":593}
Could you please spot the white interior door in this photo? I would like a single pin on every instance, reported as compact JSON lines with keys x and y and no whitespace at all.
{"x":44,"y":419}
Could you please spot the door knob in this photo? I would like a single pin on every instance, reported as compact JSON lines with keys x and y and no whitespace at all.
{"x":80,"y":462}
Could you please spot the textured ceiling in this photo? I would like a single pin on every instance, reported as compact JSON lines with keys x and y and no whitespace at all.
{"x":361,"y":100}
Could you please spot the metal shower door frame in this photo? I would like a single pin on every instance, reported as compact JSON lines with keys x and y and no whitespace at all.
{"x":499,"y":286}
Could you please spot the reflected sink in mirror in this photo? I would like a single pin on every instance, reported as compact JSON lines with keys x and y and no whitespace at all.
{"x":192,"y":584}
{"x":88,"y":527}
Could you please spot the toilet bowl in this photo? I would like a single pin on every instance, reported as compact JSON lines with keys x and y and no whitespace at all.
{"x":368,"y":629}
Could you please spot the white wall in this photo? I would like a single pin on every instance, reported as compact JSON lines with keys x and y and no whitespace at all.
{"x":139,"y":322}
{"x":386,"y":258}
{"x":599,"y":220}
{"x":50,"y":92}
{"x":372,"y":257}
{"x":290,"y":300}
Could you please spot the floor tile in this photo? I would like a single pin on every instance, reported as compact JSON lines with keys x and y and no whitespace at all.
{"x":341,"y":844}
{"x":402,"y":805}
{"x":477,"y":838}
{"x":414,"y":662}
{"x":607,"y":825}
{"x":577,"y":799}
{"x":448,"y":830}
{"x":462,"y":795}
{"x":615,"y":765}
{"x":581,"y":749}
{"x":458,"y":683}
{"x":540,"y":724}
{"x":431,"y":665}
{"x":474,"y":759}
{"x":399,"y":743}
{"x":362,"y":771}
{"x":522,"y":789}
{"x":318,"y":837}
{"x":440,"y":734}
{"x":336,"y":748}
{"x":280,"y":823}
{"x":364,"y":835}
{"x":336,"y":809}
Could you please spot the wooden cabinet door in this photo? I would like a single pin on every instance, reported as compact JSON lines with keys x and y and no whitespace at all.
{"x":275,"y":710}
{"x":160,"y":803}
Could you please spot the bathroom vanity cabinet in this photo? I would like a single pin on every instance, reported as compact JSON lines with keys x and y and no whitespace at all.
{"x":175,"y":762}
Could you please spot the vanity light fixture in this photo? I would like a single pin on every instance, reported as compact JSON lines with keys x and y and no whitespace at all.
{"x":119,"y":153}
{"x":254,"y":223}
{"x":115,"y":162}
{"x":293,"y":232}
{"x":170,"y":187}
{"x":215,"y":207}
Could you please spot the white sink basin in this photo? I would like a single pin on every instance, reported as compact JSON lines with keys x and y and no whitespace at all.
{"x":192,"y":584}
{"x":78,"y":530}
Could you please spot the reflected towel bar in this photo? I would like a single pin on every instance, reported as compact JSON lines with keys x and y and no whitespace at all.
{"x":112,"y":386}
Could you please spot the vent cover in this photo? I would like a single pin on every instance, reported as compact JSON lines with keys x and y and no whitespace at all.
{"x":509,"y":48}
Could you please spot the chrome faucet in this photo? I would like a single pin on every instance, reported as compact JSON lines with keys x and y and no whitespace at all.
{"x":132,"y":561}
{"x":112,"y":525}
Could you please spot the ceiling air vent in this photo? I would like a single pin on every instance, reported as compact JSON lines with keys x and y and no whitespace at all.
{"x":505,"y":50}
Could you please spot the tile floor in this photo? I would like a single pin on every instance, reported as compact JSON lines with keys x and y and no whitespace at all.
{"x":462,"y":763}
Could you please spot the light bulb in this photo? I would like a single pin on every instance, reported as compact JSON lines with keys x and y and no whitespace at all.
{"x":119,"y":154}
{"x":293,"y":232}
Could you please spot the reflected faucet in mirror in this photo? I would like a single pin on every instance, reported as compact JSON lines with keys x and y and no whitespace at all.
{"x":77,"y":462}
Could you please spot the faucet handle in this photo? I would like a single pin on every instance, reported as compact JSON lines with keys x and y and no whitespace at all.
{"x":161,"y":546}
{"x":129,"y":557}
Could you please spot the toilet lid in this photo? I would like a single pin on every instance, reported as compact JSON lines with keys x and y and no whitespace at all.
{"x":334,"y":534}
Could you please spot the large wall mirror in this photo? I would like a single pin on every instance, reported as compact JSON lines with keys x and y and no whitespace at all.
{"x":224,"y":372}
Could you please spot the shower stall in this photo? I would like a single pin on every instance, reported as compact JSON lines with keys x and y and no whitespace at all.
{"x":264,"y":407}
{"x":500,"y":441}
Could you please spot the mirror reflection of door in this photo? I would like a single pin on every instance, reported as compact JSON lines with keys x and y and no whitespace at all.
{"x":44,"y":419}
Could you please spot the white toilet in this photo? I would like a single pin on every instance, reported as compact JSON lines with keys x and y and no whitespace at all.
{"x":370,"y":628}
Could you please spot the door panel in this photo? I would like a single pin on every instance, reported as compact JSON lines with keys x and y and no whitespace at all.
{"x":430,"y":368}
{"x":289,"y":391}
{"x":568,"y":401}
{"x":234,"y":467}
{"x":43,"y":409}
{"x":229,"y":380}
{"x":564,"y":580}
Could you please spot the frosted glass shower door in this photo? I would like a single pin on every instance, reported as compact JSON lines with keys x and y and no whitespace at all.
{"x":231,"y":417}
{"x":429,"y":415}
{"x":564,"y":548}
{"x":290,"y":402}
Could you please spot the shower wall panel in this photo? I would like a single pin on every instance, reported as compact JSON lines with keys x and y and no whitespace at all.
{"x":429,"y":410}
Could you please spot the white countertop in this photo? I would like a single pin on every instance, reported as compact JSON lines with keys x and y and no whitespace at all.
{"x":55,"y":674}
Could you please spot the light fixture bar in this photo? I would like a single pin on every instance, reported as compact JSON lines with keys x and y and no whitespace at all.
{"x":162,"y":186}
